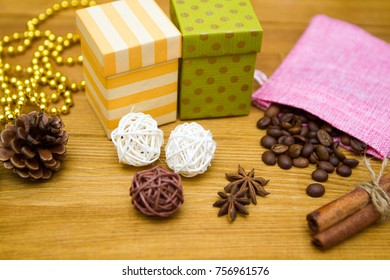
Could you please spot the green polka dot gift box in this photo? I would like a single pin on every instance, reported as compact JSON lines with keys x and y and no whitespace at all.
{"x":220,"y":41}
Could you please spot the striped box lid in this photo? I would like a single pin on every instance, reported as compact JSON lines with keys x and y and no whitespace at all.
{"x":127,"y":35}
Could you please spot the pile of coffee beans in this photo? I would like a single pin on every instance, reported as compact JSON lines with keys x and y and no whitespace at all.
{"x":297,"y":138}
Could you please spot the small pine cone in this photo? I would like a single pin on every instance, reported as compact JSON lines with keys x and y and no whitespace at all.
{"x":34,"y":146}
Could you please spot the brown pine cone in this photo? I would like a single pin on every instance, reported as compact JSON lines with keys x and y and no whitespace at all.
{"x":34,"y":146}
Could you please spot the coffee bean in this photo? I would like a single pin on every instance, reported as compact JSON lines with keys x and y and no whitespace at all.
{"x":324,"y":137}
{"x":313,"y":126}
{"x":272,"y":110}
{"x":304,"y":131}
{"x":289,"y":140}
{"x":268,"y":158}
{"x":334,"y":160}
{"x":300,"y":139}
{"x":358,"y":145}
{"x":287,"y":117}
{"x":351,"y":162}
{"x":275,"y":120}
{"x":281,"y":139}
{"x":325,"y":165}
{"x":344,"y":170}
{"x":339,"y":154}
{"x":279,"y":149}
{"x":264,"y":122}
{"x":313,"y":158}
{"x":267,"y":141}
{"x":284,"y":161}
{"x":345,"y":139}
{"x":315,"y":190}
{"x":294,"y":150}
{"x":300,"y":162}
{"x":295,"y":130}
{"x":322,"y":152}
{"x":286,"y":125}
{"x":274,"y":132}
{"x":319,"y":175}
{"x":307,"y":149}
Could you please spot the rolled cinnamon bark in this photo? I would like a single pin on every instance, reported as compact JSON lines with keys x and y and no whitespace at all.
{"x":343,"y":207}
{"x":345,"y":225}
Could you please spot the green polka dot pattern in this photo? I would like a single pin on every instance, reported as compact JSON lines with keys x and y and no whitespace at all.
{"x":216,"y":27}
{"x":216,"y":87}
{"x":220,"y":41}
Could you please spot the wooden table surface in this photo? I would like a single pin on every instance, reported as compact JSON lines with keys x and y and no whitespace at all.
{"x":85,"y":211}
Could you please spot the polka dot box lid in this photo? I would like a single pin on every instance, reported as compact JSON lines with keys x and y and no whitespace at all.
{"x":216,"y":27}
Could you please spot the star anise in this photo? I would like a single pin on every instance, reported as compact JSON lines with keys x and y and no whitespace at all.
{"x":248,"y":182}
{"x":232,"y":203}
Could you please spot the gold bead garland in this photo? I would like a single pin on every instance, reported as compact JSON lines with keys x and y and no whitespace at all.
{"x":20,"y":85}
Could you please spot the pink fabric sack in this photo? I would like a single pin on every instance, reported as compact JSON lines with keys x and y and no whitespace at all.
{"x":341,"y":74}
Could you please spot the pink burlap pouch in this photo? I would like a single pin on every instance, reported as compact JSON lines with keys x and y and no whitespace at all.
{"x":340,"y":73}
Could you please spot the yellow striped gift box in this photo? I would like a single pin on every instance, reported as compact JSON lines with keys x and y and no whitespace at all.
{"x":131,"y":51}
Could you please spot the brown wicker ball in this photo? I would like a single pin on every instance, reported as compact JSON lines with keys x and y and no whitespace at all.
{"x":157,"y":192}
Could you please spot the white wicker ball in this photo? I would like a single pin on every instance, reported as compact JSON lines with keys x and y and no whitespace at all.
{"x":138,"y":140}
{"x":190,"y":149}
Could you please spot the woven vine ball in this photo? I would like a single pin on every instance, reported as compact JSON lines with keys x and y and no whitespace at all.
{"x":156,"y":192}
{"x":190,"y":149}
{"x":138,"y":140}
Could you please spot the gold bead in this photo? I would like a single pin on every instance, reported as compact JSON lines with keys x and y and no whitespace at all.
{"x":54,"y":53}
{"x":14,"y":80}
{"x":52,"y":84}
{"x":2,"y":119}
{"x":37,"y":33}
{"x":45,"y":59}
{"x":33,"y":99}
{"x":61,"y":88}
{"x":42,"y":107}
{"x":45,"y":52}
{"x":52,"y":37}
{"x":82,"y":85}
{"x":3,"y":101}
{"x":59,"y":60}
{"x":59,"y":48}
{"x":48,"y":65}
{"x":70,"y":61}
{"x":49,"y":11}
{"x":49,"y":73}
{"x":6,"y":39}
{"x":20,"y":49}
{"x":54,"y":111}
{"x":66,"y":43}
{"x":9,"y":99}
{"x":60,"y":39}
{"x":64,"y":109}
{"x":16,"y":36}
{"x":67,"y":94}
{"x":63,"y":79}
{"x":92,"y":3}
{"x":80,"y":59}
{"x":74,"y":87}
{"x":18,"y":68}
{"x":56,"y":7}
{"x":35,"y":61}
{"x":11,"y":50}
{"x":54,"y":97}
{"x":69,"y":36}
{"x":42,"y":17}
{"x":10,"y":117}
{"x":14,"y":97}
{"x":43,"y":80}
{"x":84,"y":2}
{"x":27,"y":42}
{"x":64,"y":4}
{"x":16,"y":112}
{"x":6,"y":67}
{"x":69,"y":102}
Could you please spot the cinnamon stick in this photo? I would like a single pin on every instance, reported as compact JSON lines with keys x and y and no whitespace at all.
{"x":351,"y":213}
{"x":341,"y":208}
